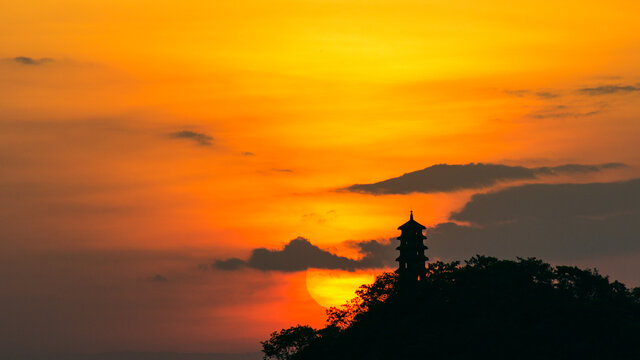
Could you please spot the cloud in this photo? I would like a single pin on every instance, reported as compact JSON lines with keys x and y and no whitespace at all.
{"x":561,"y":222}
{"x":518,"y":93}
{"x":247,"y":153}
{"x":24,"y":60}
{"x":446,"y":178}
{"x":200,"y":138}
{"x":559,"y":115}
{"x":230,"y":264}
{"x":300,"y":254}
{"x":543,"y":94}
{"x":559,"y":112}
{"x":608,"y":89}
{"x":550,"y":200}
{"x":377,"y":254}
{"x":158,"y":278}
{"x":320,"y":218}
{"x":546,"y":95}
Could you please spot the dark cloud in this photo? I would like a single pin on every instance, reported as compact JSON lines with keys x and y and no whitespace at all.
{"x":576,"y":168}
{"x":546,"y":95}
{"x":200,"y":138}
{"x":608,"y":89}
{"x":248,"y":153}
{"x":563,"y":222}
{"x":560,"y":111}
{"x":561,"y":114}
{"x":282,"y":170}
{"x":299,"y":254}
{"x":24,"y":60}
{"x":230,"y":264}
{"x":158,"y":278}
{"x":445,"y":178}
{"x":551,"y":200}
{"x":377,"y":254}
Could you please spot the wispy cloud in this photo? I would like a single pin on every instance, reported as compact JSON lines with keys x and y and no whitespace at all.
{"x":543,"y":94}
{"x":200,"y":138}
{"x":546,"y":114}
{"x":608,"y":89}
{"x":546,"y":94}
{"x":25,"y":60}
{"x":518,"y":93}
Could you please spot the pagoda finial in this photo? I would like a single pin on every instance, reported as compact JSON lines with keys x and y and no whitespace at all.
{"x":411,"y":215}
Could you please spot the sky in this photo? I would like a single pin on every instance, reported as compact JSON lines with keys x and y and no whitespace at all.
{"x":189,"y":176}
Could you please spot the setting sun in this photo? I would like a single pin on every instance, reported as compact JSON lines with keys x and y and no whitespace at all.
{"x":335,"y":287}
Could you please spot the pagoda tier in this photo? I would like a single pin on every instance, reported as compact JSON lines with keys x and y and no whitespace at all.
{"x":411,"y":262}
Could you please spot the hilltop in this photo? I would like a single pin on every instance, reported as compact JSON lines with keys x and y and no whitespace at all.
{"x":486,"y":308}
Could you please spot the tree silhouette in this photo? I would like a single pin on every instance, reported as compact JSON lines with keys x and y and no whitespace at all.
{"x":486,"y":308}
{"x":285,"y":343}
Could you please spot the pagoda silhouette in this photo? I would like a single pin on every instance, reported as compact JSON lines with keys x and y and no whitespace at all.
{"x":411,"y":262}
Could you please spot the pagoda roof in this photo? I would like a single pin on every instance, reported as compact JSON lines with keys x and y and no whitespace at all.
{"x":411,"y":224}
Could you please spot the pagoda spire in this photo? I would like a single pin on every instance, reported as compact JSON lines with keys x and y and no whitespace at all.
{"x":411,"y":262}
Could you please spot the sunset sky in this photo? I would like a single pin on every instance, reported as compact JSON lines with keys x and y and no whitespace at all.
{"x":150,"y":151}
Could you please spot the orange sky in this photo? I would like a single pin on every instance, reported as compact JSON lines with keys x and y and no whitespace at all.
{"x":300,"y":98}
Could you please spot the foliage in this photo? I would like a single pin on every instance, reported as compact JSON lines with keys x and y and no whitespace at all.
{"x":367,"y":297}
{"x":484,"y":308}
{"x":283,"y":344}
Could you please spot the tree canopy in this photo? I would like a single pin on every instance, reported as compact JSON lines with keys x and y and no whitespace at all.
{"x":486,"y":308}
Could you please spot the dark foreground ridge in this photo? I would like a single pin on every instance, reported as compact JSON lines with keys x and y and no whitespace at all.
{"x":486,"y":308}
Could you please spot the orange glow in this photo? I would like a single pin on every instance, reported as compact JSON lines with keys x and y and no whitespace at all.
{"x":334,"y":287}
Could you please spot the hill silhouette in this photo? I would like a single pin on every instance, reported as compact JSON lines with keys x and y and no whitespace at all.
{"x":486,"y":308}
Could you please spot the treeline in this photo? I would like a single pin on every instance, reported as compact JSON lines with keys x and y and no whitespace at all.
{"x":486,"y":308}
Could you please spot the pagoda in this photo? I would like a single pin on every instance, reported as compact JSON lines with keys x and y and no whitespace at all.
{"x":412,"y":260}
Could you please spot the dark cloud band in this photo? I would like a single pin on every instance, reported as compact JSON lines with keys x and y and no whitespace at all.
{"x":608,"y":89}
{"x":446,"y":178}
{"x":558,"y":222}
{"x":562,"y":222}
{"x":299,"y":254}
